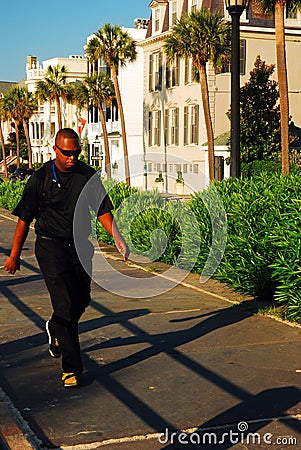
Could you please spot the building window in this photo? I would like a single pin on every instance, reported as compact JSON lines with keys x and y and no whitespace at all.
{"x":290,"y":14}
{"x":292,"y":17}
{"x":191,"y":124}
{"x":172,"y":126}
{"x":174,"y":12}
{"x":154,"y":128}
{"x":155,"y":71}
{"x":173,"y":73}
{"x":111,"y":112}
{"x":93,"y":114}
{"x":193,"y":5}
{"x":103,"y":67}
{"x":157,"y":20}
{"x":188,"y":78}
{"x":242,"y":60}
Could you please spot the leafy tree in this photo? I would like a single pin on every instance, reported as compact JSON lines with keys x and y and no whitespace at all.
{"x":259,"y":115}
{"x":202,"y":36}
{"x":53,"y":88}
{"x":117,"y":48}
{"x":277,"y":8}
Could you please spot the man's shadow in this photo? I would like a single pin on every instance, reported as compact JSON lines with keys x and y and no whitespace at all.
{"x":242,"y":423}
{"x":168,"y":342}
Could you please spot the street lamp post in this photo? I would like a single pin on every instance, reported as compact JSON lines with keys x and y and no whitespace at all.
{"x":98,"y":155}
{"x":235,"y":9}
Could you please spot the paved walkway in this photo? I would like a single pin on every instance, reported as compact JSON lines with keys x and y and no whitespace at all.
{"x":190,"y":359}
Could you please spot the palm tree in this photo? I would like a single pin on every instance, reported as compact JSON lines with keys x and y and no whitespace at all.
{"x":19,"y":104}
{"x":97,"y":89}
{"x":3,"y":118}
{"x":277,"y":8}
{"x":101,"y":90}
{"x":10,"y":106}
{"x":53,"y":88}
{"x":202,"y":36}
{"x":27,"y":107}
{"x":117,"y":48}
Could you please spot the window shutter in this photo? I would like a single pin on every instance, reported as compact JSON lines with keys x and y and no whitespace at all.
{"x":196,"y":125}
{"x":186,"y":72}
{"x":159,"y":128}
{"x":177,"y":127}
{"x":160,"y":72}
{"x":166,"y":123}
{"x":242,"y":56}
{"x":167,"y":74}
{"x":177,"y":72}
{"x":150,"y":74}
{"x":150,"y":128}
{"x":185,"y":125}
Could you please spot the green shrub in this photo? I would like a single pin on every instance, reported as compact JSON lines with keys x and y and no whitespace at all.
{"x":118,"y":192}
{"x":262,"y":255}
{"x":10,"y":194}
{"x":256,"y":168}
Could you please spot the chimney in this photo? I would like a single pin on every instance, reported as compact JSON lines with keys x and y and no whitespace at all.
{"x":32,"y":62}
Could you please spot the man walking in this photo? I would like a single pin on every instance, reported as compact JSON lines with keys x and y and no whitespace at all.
{"x":50,"y":196}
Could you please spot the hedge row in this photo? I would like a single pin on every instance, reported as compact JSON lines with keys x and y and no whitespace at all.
{"x":253,"y":223}
{"x":262,"y":253}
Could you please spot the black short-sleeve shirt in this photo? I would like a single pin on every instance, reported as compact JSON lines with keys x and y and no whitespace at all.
{"x":52,"y":200}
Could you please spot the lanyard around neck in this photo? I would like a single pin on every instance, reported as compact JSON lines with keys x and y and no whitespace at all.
{"x":55,"y":177}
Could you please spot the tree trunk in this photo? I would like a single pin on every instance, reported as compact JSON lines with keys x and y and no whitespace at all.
{"x":3,"y":151}
{"x":106,"y":142}
{"x":207,"y":116}
{"x":58,"y":111}
{"x":28,"y":143}
{"x":283,"y":84}
{"x":123,"y":132}
{"x":18,"y":144}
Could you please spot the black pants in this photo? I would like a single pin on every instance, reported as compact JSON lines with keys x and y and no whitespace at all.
{"x":69,"y":288}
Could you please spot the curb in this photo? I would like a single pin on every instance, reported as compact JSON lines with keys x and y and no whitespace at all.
{"x":14,"y":431}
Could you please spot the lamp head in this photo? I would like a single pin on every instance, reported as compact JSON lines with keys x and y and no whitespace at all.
{"x":236,"y":6}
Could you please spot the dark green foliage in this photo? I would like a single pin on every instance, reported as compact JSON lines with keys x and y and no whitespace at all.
{"x":10,"y":194}
{"x":257,"y":167}
{"x":262,"y":257}
{"x":118,"y":192}
{"x":259,"y":115}
{"x":11,"y":146}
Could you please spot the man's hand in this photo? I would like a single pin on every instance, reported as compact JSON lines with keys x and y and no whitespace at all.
{"x":107,"y":221}
{"x":122,"y":247}
{"x":11,"y":265}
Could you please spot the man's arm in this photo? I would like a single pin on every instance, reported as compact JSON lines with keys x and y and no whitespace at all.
{"x":13,"y":262}
{"x":108,"y":222}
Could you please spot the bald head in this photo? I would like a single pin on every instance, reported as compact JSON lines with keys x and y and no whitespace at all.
{"x":65,"y":135}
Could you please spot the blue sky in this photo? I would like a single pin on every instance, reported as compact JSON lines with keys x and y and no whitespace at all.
{"x":56,"y":28}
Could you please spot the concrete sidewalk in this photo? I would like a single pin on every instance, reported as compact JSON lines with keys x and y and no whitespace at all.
{"x":190,"y":360}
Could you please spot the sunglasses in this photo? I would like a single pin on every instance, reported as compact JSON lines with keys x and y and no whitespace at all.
{"x":69,"y":153}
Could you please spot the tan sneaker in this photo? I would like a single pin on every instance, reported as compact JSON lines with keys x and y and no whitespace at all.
{"x":69,"y":379}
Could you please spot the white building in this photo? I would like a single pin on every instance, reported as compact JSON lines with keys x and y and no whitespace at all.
{"x":130,"y":79}
{"x":175,"y":132}
{"x":43,"y":125}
